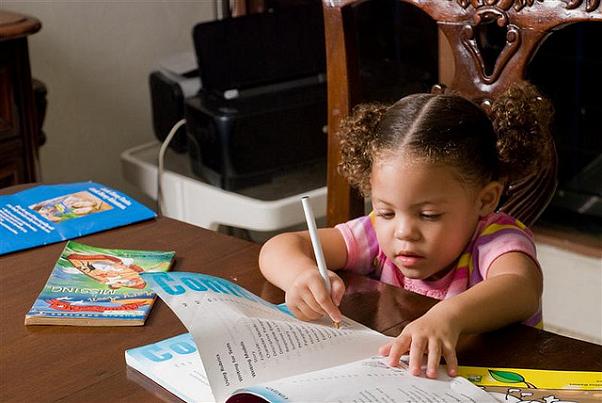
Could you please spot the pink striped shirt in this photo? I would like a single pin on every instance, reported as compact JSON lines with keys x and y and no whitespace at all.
{"x":495,"y":235}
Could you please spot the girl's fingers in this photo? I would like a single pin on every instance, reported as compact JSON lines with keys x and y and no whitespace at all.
{"x":385,"y":349}
{"x":308,"y":298}
{"x":308,"y":312}
{"x":337,"y":289}
{"x":434,"y":357}
{"x":324,"y":299}
{"x":311,"y":300}
{"x":297,"y":312}
{"x":449,"y":353}
{"x":416,"y":355}
{"x":399,"y":347}
{"x":299,"y":308}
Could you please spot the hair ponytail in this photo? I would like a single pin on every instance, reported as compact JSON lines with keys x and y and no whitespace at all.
{"x":521,"y":119}
{"x":357,"y":134}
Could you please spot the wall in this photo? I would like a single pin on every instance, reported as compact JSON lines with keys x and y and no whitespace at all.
{"x":95,"y":58}
{"x":572,"y":294}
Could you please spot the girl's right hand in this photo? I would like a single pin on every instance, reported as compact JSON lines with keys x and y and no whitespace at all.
{"x":308,"y":299}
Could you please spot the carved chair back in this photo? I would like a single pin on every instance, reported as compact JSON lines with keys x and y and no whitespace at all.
{"x":526,"y":23}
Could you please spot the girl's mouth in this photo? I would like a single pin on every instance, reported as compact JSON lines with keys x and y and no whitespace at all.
{"x":409,"y":259}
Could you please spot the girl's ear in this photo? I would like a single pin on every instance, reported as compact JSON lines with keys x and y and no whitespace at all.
{"x":489,"y":197}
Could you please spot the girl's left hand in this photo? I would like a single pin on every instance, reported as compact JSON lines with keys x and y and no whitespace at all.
{"x":432,"y":334}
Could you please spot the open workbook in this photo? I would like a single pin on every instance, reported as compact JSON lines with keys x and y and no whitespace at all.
{"x":249,"y":346}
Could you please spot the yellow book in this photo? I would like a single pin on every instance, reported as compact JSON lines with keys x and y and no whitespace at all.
{"x":533,"y":378}
{"x":536,"y":385}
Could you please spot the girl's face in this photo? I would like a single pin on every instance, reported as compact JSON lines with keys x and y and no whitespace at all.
{"x":425,"y":216}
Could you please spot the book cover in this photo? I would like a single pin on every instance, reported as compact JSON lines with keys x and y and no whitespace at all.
{"x":52,"y":213}
{"x":175,"y":364}
{"x":92,"y":286}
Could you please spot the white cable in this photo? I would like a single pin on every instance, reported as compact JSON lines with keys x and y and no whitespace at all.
{"x":162,"y":151}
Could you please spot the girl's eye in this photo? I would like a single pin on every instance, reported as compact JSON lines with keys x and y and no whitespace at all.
{"x":431,"y":216}
{"x":385,"y":214}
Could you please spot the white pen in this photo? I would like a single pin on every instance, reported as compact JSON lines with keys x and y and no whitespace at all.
{"x":315,"y":243}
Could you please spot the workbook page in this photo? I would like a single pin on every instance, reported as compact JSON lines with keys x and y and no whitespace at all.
{"x":369,"y":381}
{"x":243,"y":340}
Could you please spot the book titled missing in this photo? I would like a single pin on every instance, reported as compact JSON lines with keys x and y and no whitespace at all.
{"x":91,"y":286}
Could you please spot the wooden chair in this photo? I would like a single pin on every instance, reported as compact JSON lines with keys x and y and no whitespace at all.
{"x":526,"y":23}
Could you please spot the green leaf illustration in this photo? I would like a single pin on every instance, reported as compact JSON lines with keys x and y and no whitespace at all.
{"x":506,"y":377}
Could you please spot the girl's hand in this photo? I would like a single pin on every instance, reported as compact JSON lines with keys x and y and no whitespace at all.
{"x":432,"y":334}
{"x":308,"y":299}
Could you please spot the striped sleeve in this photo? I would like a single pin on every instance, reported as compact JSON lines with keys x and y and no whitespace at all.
{"x":362,"y":245}
{"x":503,"y":236}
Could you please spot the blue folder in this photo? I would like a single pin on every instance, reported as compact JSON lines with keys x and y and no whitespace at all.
{"x":52,"y":213}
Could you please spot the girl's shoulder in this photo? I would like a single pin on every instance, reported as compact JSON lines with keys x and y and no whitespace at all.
{"x":358,"y":233}
{"x":360,"y":224}
{"x":361,"y":243}
{"x":499,"y":222}
{"x":499,"y":234}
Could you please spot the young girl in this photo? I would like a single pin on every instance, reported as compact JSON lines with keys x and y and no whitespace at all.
{"x":435,"y":167}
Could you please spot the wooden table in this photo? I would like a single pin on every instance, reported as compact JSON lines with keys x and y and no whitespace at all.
{"x":86,"y":364}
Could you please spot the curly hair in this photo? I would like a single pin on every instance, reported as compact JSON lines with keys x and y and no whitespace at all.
{"x":452,"y":130}
{"x":358,"y":135}
{"x":521,"y":118}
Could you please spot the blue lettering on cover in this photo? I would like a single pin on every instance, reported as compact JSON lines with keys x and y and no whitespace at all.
{"x":194,"y":284}
{"x":161,"y":280}
{"x":149,"y":352}
{"x":182,"y":347}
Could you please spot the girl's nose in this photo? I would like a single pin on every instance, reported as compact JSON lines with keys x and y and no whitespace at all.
{"x":406,"y":231}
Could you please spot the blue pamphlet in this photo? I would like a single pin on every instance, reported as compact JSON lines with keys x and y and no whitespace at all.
{"x":52,"y":213}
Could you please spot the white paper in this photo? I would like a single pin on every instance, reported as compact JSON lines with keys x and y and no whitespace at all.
{"x":369,"y":381}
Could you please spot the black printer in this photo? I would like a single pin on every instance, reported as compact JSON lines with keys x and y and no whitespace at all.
{"x":262,"y":106}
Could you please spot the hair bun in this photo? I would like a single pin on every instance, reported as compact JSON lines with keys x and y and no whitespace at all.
{"x":357,"y":134}
{"x":521,"y":118}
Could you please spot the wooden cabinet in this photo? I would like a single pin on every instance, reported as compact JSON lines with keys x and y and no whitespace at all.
{"x":18,"y":125}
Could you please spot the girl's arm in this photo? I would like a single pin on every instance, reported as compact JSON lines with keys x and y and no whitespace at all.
{"x":510,"y":293}
{"x":287,"y":261}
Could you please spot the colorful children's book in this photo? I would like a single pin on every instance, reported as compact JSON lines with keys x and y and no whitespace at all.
{"x":51,"y":213}
{"x":92,"y":286}
{"x":519,"y":385}
{"x":241,"y":346}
